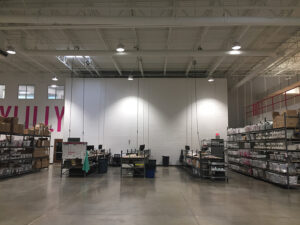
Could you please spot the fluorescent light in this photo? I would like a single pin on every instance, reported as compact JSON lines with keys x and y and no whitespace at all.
{"x":74,"y":56}
{"x":236,"y":46}
{"x":12,"y":52}
{"x":55,"y":78}
{"x":130,"y":78}
{"x":53,"y":85}
{"x":234,"y":52}
{"x":211,"y":80}
{"x":120,"y":48}
{"x":293,"y":91}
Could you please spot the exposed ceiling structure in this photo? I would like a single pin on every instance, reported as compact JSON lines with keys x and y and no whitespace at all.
{"x":162,"y":38}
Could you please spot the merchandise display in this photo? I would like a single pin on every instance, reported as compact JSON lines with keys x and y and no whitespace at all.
{"x":22,"y":153}
{"x":134,"y":162}
{"x":203,"y":163}
{"x":271,"y":154}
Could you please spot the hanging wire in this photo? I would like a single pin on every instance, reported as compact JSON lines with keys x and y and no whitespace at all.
{"x":71,"y":98}
{"x":104,"y":113}
{"x":186,"y":112}
{"x":99,"y":111}
{"x":83,"y":104}
{"x":197,"y":121}
{"x":143,"y":121}
{"x":137,"y":114}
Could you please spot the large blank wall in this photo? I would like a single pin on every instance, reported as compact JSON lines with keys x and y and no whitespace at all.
{"x":160,"y":113}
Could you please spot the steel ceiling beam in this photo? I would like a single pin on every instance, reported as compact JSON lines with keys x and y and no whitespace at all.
{"x":154,"y":53}
{"x":144,"y":22}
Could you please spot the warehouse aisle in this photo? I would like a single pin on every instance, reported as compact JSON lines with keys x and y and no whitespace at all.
{"x":172,"y":198}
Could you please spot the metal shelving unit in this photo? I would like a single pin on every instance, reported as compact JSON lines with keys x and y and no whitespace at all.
{"x":133,"y":162}
{"x":282,"y":172}
{"x":25,"y":160}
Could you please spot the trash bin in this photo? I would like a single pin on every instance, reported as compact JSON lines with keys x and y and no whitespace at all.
{"x":151,"y":168}
{"x":102,"y":166}
{"x":165,"y":160}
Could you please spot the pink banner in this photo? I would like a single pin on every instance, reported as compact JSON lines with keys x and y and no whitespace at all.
{"x":59,"y":117}
{"x":35,"y":109}
{"x":47,"y":115}
{"x":27,"y":117}
{"x":16,"y":111}
{"x":6,"y":113}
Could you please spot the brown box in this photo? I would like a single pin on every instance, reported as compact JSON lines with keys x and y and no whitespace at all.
{"x":4,"y":127}
{"x":46,"y":143}
{"x":37,"y":164}
{"x":18,"y":129}
{"x":45,"y":163}
{"x":290,"y":112}
{"x":275,"y":114}
{"x":40,"y":152}
{"x":290,"y":122}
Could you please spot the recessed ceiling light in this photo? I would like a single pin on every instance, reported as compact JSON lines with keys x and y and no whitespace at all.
{"x":120,"y":48}
{"x":211,"y":80}
{"x":130,"y":78}
{"x":55,"y":78}
{"x":236,"y":46}
{"x":235,"y":52}
{"x":10,"y":50}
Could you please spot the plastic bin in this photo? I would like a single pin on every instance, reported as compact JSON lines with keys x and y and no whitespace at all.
{"x":102,"y":166}
{"x":165,"y":160}
{"x":150,"y":173}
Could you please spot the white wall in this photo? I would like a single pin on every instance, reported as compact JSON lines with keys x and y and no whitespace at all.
{"x":104,"y":111}
{"x":41,"y":100}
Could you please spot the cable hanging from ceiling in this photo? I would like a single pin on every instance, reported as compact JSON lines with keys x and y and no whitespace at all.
{"x":196,"y":106}
{"x":70,"y":116}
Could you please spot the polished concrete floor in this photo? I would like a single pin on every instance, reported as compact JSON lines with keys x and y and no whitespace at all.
{"x":172,"y":198}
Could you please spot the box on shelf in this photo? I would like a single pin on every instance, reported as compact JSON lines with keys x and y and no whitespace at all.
{"x":37,"y":164}
{"x":40,"y":152}
{"x":45,"y":163}
{"x":290,"y":112}
{"x":46,"y":143}
{"x":4,"y":127}
{"x":18,"y":129}
{"x":278,"y":119}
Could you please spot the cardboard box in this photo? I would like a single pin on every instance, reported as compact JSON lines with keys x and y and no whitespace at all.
{"x":290,"y":112}
{"x":45,"y":163}
{"x":290,"y":122}
{"x":37,"y":164}
{"x":5,"y":127}
{"x":275,"y":114}
{"x":46,"y":143}
{"x":18,"y":129}
{"x":40,"y":152}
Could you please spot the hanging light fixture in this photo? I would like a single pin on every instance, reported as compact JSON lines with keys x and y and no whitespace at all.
{"x":55,"y":78}
{"x":130,"y":77}
{"x":236,"y":46}
{"x":11,"y":50}
{"x":120,"y":48}
{"x":211,"y":80}
{"x":53,"y":85}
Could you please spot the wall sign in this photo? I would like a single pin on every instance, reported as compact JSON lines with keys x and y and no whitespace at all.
{"x":5,"y":112}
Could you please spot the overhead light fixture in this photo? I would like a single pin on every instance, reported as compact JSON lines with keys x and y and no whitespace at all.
{"x":53,"y":85}
{"x":235,"y":52}
{"x":120,"y":48}
{"x":236,"y":46}
{"x":11,"y":50}
{"x":55,"y":78}
{"x":130,"y":78}
{"x":211,"y":80}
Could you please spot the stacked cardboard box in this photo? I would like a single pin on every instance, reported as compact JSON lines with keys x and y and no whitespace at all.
{"x":41,"y":163}
{"x":291,"y":119}
{"x":10,"y":124}
{"x":40,"y":152}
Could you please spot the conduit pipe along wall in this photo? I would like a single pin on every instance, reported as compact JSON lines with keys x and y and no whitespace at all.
{"x":129,"y":22}
{"x":164,"y":112}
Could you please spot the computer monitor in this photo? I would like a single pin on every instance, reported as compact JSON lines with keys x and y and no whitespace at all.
{"x":187,"y":147}
{"x":73,"y":139}
{"x":99,"y":146}
{"x":90,"y":147}
{"x":142,"y":147}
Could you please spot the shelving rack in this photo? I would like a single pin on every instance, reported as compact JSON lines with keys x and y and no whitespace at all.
{"x":133,"y":162}
{"x":204,"y":165}
{"x":25,"y":162}
{"x":251,"y":153}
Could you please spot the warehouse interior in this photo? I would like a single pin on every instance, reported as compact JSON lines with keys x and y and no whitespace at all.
{"x":149,"y":112}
